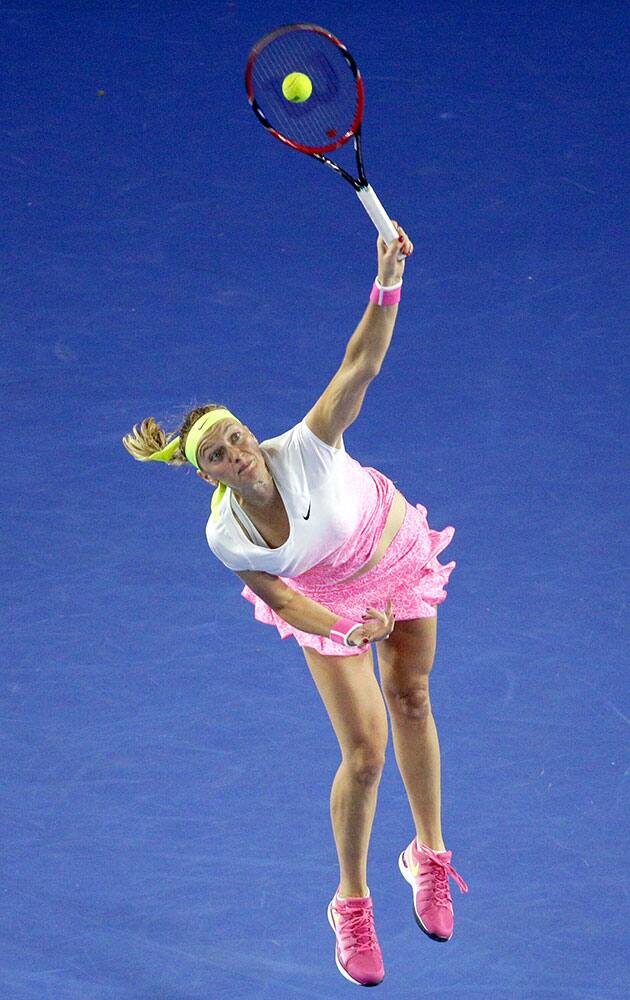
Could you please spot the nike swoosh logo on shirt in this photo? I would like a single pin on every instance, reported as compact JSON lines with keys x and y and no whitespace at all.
{"x":306,"y":516}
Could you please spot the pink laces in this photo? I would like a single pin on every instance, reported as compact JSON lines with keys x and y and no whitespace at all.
{"x":357,"y":930}
{"x":441,"y":875}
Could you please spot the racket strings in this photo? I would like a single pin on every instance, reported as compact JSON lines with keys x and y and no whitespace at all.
{"x":329,"y":113}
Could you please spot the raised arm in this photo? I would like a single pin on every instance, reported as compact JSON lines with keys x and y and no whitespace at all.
{"x":341,"y":402}
{"x":369,"y":343}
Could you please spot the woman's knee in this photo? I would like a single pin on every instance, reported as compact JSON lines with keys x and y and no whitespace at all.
{"x":409,"y":701}
{"x":365,"y":762}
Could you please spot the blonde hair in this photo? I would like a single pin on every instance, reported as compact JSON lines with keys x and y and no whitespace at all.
{"x":144,"y":440}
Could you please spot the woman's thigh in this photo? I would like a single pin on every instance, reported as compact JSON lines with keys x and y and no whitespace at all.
{"x":405,"y":659}
{"x":353,"y":699}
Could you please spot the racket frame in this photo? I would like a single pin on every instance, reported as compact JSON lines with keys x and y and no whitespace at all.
{"x":363,"y":189}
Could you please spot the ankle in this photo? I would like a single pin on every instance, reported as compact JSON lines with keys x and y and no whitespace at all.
{"x":436,"y":844}
{"x":356,"y":891}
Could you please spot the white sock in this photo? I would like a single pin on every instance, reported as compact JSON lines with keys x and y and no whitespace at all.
{"x":419,"y":847}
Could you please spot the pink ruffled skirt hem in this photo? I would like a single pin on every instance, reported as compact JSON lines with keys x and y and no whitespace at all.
{"x":409,"y":573}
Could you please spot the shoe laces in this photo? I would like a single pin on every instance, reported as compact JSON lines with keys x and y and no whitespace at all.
{"x":357,"y":930}
{"x":441,"y":894}
{"x":441,"y":868}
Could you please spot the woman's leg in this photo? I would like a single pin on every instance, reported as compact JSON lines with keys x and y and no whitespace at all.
{"x":405,"y":662}
{"x":354,"y":703}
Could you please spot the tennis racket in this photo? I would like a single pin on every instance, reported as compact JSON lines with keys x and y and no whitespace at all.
{"x":329,"y":117}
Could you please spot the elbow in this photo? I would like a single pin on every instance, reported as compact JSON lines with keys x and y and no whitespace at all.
{"x":367,"y":369}
{"x":282,"y":601}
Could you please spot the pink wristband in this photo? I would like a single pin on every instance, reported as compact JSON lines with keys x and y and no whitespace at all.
{"x":385,"y":295}
{"x":342,"y":629}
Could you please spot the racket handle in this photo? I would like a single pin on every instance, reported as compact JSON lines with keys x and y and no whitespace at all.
{"x":377,"y":213}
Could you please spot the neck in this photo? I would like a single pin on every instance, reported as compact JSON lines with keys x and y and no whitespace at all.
{"x":261,"y":495}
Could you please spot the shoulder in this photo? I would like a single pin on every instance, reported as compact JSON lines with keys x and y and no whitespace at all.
{"x":302,"y":438}
{"x":222,"y":538}
{"x":320,"y":434}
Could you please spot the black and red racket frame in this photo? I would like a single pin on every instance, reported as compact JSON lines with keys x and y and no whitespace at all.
{"x":317,"y":152}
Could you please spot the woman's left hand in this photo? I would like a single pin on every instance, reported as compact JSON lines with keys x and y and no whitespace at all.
{"x":390,"y":268}
{"x":377,"y":625}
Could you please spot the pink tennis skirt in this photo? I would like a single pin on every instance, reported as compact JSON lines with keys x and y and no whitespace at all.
{"x":409,"y":573}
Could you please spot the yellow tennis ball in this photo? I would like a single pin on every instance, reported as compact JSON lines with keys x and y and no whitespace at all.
{"x":297,"y":87}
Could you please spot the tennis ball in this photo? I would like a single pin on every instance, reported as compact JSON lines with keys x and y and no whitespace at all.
{"x":297,"y":87}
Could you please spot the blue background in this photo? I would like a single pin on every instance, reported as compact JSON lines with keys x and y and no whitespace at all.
{"x":167,"y":761}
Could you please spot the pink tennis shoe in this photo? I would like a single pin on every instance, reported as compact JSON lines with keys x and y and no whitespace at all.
{"x":427,"y":872}
{"x":357,"y":951}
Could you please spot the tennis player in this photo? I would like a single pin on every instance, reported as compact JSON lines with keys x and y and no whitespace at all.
{"x":331,"y":553}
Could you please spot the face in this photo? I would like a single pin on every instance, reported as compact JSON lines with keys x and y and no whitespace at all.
{"x":229,"y":453}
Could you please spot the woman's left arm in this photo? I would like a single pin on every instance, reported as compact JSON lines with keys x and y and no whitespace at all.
{"x":370,"y":341}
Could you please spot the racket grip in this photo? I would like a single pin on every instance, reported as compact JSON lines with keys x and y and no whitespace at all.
{"x":377,"y":213}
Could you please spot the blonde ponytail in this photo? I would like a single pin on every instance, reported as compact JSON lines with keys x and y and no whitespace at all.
{"x":143,"y":441}
{"x":149,"y":437}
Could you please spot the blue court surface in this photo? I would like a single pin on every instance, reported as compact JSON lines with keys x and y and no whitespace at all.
{"x":167,"y":759}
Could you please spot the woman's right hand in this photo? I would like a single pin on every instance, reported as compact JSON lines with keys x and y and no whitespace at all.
{"x":390,"y":268}
{"x":377,"y":625}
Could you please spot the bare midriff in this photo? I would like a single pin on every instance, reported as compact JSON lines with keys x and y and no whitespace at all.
{"x":394,"y":523}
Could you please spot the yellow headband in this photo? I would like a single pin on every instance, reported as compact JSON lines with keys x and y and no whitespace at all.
{"x":196,"y":432}
{"x":194,"y":436}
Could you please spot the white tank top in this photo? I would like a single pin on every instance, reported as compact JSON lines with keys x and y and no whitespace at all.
{"x":321,"y":488}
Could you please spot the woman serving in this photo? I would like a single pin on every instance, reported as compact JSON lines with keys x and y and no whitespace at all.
{"x":331,"y":553}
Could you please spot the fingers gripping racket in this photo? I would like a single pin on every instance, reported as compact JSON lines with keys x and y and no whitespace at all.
{"x":324,"y":108}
